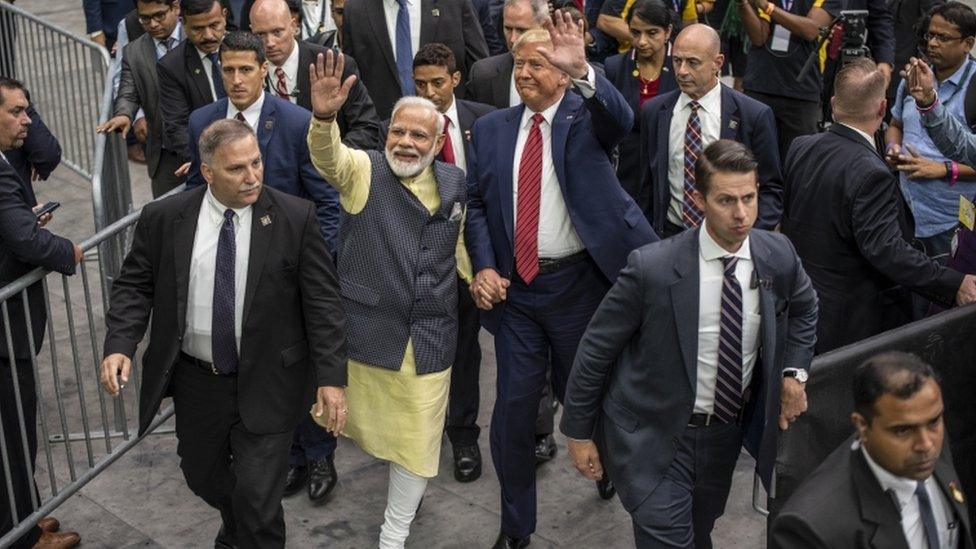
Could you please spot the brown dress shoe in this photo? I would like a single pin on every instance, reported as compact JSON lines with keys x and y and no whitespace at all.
{"x":49,"y":524}
{"x":58,"y":540}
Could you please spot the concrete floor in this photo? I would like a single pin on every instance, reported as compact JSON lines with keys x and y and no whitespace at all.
{"x":142,"y":500}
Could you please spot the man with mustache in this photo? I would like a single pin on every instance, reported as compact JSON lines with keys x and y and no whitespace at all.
{"x":892,"y":486}
{"x":400,"y":236}
{"x":189,"y":75}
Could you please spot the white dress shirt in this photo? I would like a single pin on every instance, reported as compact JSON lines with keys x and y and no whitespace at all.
{"x":203,"y":264}
{"x":391,"y":9}
{"x":867,"y":137}
{"x":911,"y":516}
{"x":314,"y":13}
{"x":208,"y":69}
{"x":252,"y":113}
{"x":457,"y":138}
{"x":710,"y":118}
{"x":290,"y":67}
{"x":710,"y":280}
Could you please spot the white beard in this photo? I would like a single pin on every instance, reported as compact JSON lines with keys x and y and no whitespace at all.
{"x":408,"y":169}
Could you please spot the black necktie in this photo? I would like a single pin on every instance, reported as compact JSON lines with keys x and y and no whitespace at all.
{"x":218,"y":82}
{"x":223,"y":341}
{"x":928,"y":518}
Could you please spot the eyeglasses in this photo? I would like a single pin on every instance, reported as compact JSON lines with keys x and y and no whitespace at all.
{"x":158,"y":17}
{"x":940,"y":38}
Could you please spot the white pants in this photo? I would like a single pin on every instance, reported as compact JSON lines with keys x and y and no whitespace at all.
{"x":405,"y":492}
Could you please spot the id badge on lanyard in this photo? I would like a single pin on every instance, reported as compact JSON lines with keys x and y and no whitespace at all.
{"x":781,"y":35}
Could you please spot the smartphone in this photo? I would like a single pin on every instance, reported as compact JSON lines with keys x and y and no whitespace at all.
{"x":47,"y":208}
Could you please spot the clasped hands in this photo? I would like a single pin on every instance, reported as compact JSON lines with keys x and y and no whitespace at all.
{"x":488,"y":288}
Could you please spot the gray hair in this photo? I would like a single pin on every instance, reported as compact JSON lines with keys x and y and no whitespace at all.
{"x":415,"y":101}
{"x":540,"y":8}
{"x":220,"y":133}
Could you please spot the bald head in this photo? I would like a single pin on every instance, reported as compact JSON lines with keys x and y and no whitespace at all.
{"x":859,"y":94}
{"x":701,"y":37}
{"x":274,"y":24}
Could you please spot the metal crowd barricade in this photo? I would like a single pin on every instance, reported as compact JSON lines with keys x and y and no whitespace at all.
{"x":69,"y":396}
{"x":68,"y":79}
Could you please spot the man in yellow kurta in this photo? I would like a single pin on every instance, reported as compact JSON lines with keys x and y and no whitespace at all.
{"x":400,"y":243}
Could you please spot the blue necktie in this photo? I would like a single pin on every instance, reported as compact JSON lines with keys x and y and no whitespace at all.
{"x":728,"y":380}
{"x":928,"y":517}
{"x":223,"y":341}
{"x":404,"y":51}
{"x":218,"y":82}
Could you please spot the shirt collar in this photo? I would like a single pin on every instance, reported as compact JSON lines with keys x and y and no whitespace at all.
{"x":711,"y":251}
{"x":904,"y":488}
{"x":956,"y":77}
{"x":254,"y":109}
{"x":867,"y":137}
{"x":201,"y":54}
{"x":216,"y":209}
{"x":711,"y":102}
{"x":547,"y":114}
{"x":176,"y":35}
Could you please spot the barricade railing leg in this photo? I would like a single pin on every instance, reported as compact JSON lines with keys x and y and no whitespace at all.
{"x":58,"y":397}
{"x":18,"y":398}
{"x":41,"y":408}
{"x":79,"y":379}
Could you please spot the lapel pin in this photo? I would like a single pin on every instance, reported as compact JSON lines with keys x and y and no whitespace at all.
{"x":467,"y":135}
{"x":733,"y":124}
{"x":196,"y":71}
{"x":435,"y":12}
{"x":265,"y":220}
{"x":268,"y":124}
{"x":569,"y":117}
{"x":956,"y":492}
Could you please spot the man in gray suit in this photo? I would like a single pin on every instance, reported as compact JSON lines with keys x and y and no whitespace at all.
{"x":701,"y":345}
{"x":137,"y":101}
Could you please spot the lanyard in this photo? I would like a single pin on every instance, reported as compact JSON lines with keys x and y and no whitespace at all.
{"x":962,"y":82}
{"x":312,"y":31}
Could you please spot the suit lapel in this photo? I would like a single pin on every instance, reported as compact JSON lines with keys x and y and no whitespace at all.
{"x":663,"y":144}
{"x":466,"y":116}
{"x":876,"y":507}
{"x":501,"y":88}
{"x":197,"y":73}
{"x":261,"y":234}
{"x":301,"y":79}
{"x":506,"y":148}
{"x":948,"y":482}
{"x":684,"y":302}
{"x":381,"y":37}
{"x":730,"y":115}
{"x":767,"y":296}
{"x":561,"y":122}
{"x":429,"y":18}
{"x":266,"y":125}
{"x":184,"y":231}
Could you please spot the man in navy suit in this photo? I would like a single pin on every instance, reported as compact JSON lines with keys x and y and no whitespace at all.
{"x":548,"y":229}
{"x":669,"y":384}
{"x":280,"y":126}
{"x":677,"y":126}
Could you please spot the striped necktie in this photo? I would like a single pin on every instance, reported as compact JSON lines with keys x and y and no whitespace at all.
{"x":691,"y":216}
{"x":728,"y":376}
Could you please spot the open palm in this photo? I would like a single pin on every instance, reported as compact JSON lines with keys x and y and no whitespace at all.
{"x":328,"y":90}
{"x":568,"y":52}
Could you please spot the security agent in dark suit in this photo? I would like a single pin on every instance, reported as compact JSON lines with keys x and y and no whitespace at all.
{"x":281,"y":128}
{"x":491,"y":79}
{"x":187,"y":76}
{"x":540,"y":278}
{"x":683,"y":365}
{"x":892,"y":486}
{"x":246,"y":322}
{"x":289,"y":59}
{"x":670,"y":123}
{"x":24,"y":245}
{"x":385,"y":54}
{"x":139,"y":89}
{"x":38,"y":156}
{"x":844,"y":213}
{"x":102,"y":19}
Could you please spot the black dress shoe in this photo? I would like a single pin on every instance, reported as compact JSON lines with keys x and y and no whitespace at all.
{"x":467,"y":463}
{"x":295,"y":479}
{"x":322,"y":479}
{"x":508,"y":542}
{"x":545,"y":449}
{"x":605,"y":487}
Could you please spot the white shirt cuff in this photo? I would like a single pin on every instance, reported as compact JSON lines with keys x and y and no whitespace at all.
{"x":586,"y":85}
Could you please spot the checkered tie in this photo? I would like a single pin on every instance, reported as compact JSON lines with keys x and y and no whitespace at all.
{"x":223,"y":340}
{"x":691,"y":216}
{"x":728,"y":379}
